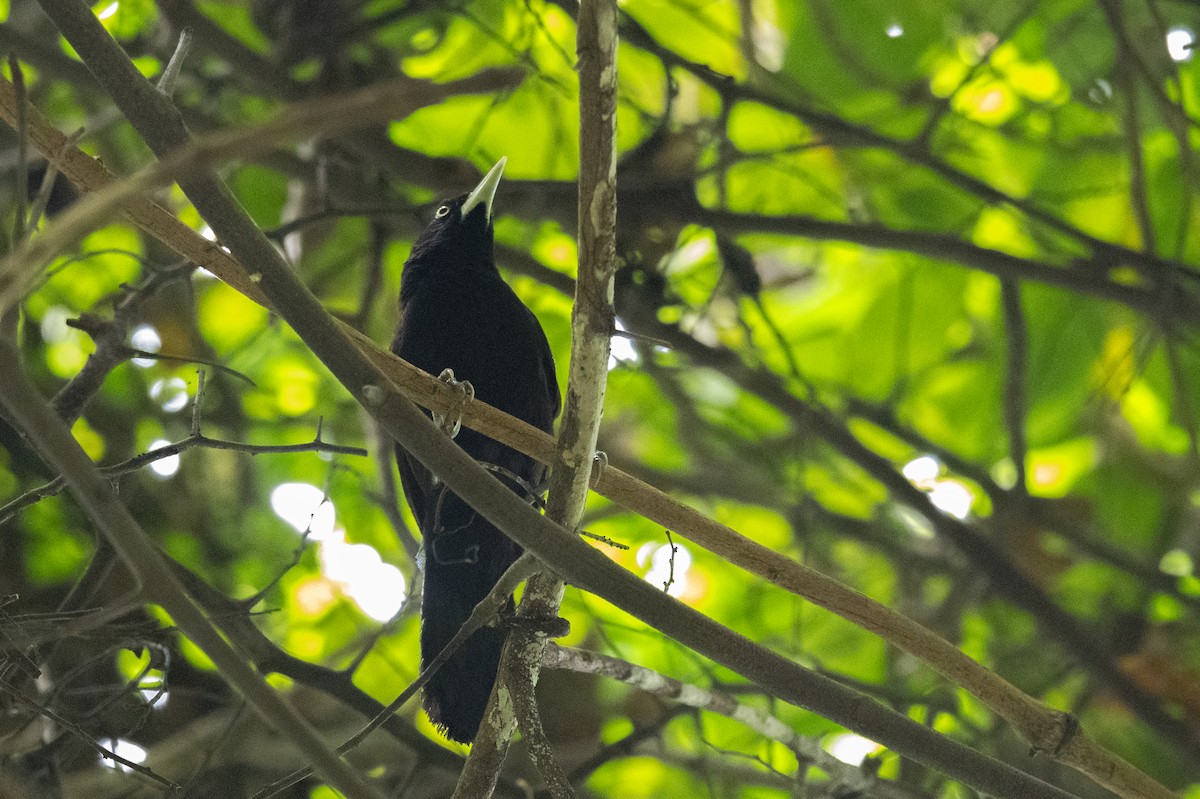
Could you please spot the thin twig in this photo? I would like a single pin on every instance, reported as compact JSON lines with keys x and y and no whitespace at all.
{"x":671,"y":564}
{"x":82,"y":734}
{"x":117,"y":470}
{"x":484,"y":613}
{"x":1182,"y":392}
{"x":284,"y":230}
{"x":42,"y":199}
{"x":170,"y":75}
{"x":1132,"y":123}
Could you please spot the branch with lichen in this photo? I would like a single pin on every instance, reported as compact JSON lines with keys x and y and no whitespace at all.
{"x":806,"y":749}
{"x":592,"y":324}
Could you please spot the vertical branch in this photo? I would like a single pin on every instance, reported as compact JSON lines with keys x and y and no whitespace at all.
{"x":592,"y":323}
{"x":530,"y":722}
{"x":1183,"y":401}
{"x":10,"y":317}
{"x":1014,"y":380}
{"x":1138,"y":196}
{"x":592,"y":316}
{"x":21,"y":189}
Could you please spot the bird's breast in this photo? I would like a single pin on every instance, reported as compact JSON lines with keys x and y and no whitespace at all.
{"x":484,"y":333}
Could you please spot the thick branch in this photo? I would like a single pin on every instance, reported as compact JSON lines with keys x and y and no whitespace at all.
{"x":591,"y":328}
{"x":1088,"y":279}
{"x":592,"y":316}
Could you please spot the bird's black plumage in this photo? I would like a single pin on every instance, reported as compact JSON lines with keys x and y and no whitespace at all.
{"x":456,"y":312}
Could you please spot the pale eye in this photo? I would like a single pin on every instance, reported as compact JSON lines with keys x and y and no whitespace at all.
{"x":445,"y":209}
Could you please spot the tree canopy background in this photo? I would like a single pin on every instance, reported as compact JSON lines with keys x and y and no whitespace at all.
{"x":908,"y":293}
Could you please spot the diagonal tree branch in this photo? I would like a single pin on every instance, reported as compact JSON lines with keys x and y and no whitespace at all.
{"x":53,"y":441}
{"x":842,"y":132}
{"x":1007,"y":579}
{"x":378,"y":102}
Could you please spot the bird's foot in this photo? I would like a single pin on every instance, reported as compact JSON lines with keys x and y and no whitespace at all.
{"x":451,"y":422}
{"x":599,"y":464}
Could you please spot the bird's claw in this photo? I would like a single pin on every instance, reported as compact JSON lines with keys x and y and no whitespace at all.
{"x":599,"y":464}
{"x":451,"y":422}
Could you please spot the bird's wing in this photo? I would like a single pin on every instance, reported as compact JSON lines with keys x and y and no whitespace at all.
{"x":546,"y":365}
{"x":417,"y":484}
{"x":551,"y":377}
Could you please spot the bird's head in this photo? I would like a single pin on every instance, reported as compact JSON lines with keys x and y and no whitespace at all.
{"x":460,"y":235}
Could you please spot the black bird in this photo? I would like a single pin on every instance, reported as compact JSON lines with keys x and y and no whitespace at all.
{"x":457,"y":313}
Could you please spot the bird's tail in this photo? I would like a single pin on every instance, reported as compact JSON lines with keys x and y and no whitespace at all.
{"x":464,"y":557}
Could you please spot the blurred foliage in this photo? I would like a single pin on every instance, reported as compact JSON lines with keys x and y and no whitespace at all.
{"x":1056,"y":131}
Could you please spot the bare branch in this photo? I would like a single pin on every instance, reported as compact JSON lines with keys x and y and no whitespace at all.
{"x":170,"y":75}
{"x":117,"y":470}
{"x":484,"y":613}
{"x":21,"y":189}
{"x":376,"y":103}
{"x":807,"y":750}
